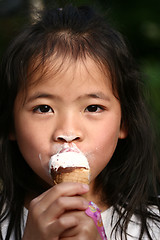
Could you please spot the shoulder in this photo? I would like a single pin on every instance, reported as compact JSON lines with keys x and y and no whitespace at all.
{"x":110,"y":218}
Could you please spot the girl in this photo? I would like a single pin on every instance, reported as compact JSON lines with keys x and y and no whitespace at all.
{"x":69,"y":79}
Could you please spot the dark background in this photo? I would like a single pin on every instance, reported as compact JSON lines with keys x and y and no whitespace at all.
{"x":138,"y":21}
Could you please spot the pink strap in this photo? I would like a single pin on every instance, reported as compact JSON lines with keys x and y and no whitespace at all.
{"x":94,"y":212}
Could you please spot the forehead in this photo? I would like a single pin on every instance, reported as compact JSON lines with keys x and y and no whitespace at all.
{"x":56,"y":68}
{"x":67,"y":78}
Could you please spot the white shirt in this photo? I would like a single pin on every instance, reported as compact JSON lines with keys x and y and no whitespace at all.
{"x":133,"y":228}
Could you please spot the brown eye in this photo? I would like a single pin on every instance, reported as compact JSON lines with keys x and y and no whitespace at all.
{"x":43,"y":109}
{"x":94,"y":108}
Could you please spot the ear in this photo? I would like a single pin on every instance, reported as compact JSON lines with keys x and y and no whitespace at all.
{"x":123,"y":131}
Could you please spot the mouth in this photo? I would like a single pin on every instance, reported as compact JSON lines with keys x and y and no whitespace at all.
{"x":66,"y":147}
{"x":69,"y":148}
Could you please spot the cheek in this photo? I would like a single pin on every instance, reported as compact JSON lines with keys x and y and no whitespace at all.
{"x":103,"y":147}
{"x":104,"y":139}
{"x":32,"y":145}
{"x":36,"y":156}
{"x":27,"y":138}
{"x":30,"y":135}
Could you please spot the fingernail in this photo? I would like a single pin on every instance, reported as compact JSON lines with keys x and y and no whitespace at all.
{"x":85,"y":187}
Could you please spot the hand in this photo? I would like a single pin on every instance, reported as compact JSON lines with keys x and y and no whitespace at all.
{"x":48,"y":218}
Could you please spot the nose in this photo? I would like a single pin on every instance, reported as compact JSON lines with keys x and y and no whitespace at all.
{"x":67,"y":138}
{"x":68,"y":128}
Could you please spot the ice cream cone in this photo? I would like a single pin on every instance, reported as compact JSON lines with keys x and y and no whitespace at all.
{"x":80,"y":175}
{"x":69,"y":165}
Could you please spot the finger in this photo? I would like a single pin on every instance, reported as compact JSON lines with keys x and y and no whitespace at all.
{"x":86,"y":229}
{"x":65,"y":204}
{"x":62,"y":189}
{"x":49,"y":230}
{"x":60,"y":225}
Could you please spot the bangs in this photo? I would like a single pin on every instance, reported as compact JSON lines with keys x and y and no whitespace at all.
{"x":56,"y":53}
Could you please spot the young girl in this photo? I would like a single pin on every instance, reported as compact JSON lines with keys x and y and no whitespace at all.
{"x":69,"y":79}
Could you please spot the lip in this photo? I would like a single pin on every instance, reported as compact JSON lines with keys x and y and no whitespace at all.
{"x":69,"y":150}
{"x":66,"y":147}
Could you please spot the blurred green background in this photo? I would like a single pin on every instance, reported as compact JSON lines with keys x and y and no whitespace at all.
{"x":138,"y":21}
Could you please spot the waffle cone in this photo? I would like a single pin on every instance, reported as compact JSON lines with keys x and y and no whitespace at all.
{"x":80,"y":175}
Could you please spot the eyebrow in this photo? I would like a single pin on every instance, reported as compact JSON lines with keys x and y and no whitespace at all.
{"x":95,"y":95}
{"x":41,"y":95}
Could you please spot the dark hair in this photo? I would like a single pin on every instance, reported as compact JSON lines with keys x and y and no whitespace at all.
{"x":131,"y":174}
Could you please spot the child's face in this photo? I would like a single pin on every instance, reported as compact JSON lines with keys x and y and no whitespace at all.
{"x":76,"y":105}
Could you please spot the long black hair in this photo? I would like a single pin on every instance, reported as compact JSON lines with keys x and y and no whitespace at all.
{"x":128,"y":182}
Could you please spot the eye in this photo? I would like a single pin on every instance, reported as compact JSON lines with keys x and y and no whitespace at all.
{"x":43,"y":109}
{"x":94,"y":108}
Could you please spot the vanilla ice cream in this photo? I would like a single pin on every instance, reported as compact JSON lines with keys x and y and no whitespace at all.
{"x":69,"y":165}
